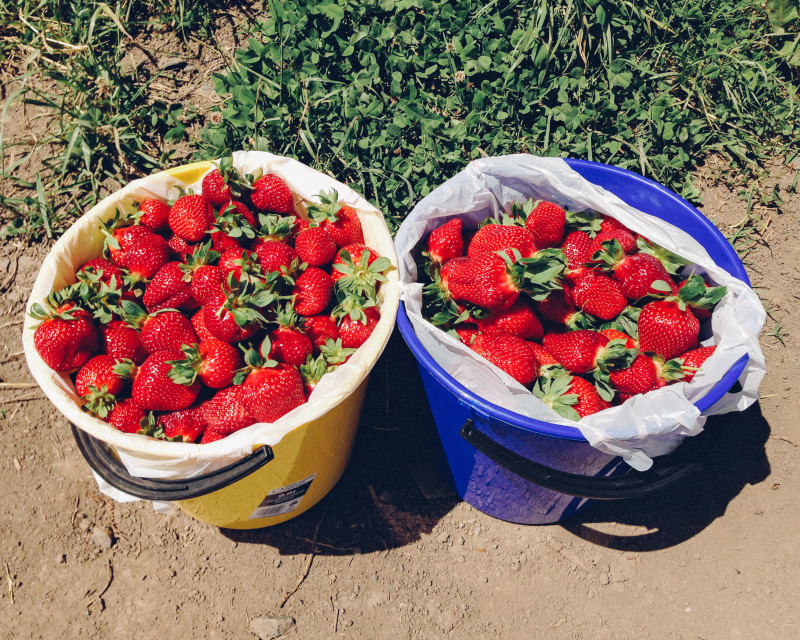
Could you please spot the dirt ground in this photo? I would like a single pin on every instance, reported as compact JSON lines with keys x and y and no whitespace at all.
{"x":391,"y":552}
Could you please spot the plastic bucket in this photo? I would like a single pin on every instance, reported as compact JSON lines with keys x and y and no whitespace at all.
{"x":527,"y":471}
{"x":263,"y":485}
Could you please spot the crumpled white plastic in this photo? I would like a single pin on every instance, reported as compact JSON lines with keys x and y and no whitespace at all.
{"x":648,"y":425}
{"x":151,"y":458}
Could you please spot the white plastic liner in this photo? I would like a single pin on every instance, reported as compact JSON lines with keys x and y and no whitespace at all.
{"x":151,"y":458}
{"x":648,"y":425}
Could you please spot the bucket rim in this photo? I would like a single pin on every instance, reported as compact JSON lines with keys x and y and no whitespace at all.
{"x":567,"y":432}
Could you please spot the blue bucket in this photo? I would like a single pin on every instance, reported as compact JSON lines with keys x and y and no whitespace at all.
{"x":526,"y":471}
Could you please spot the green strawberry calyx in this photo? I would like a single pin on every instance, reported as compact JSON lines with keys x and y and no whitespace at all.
{"x":553,"y":390}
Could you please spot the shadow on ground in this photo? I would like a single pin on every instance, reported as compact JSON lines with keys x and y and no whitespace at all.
{"x":678,"y":513}
{"x":393,"y":490}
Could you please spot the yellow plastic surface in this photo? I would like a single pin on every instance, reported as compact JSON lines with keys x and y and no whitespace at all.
{"x":320,"y":447}
{"x":190,"y":173}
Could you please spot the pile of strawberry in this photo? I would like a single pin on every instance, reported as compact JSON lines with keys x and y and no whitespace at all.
{"x":216,"y":311}
{"x":573,"y":305}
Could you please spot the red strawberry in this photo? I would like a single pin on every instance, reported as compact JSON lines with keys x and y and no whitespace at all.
{"x":518,"y":320}
{"x":180,"y":247}
{"x":312,"y":371}
{"x":494,"y":282}
{"x":238,"y":262}
{"x":186,"y":425}
{"x":199,"y":326}
{"x":106,"y":270}
{"x":122,"y":342}
{"x":320,"y":329}
{"x":153,"y":214}
{"x":231,"y":229}
{"x":637,"y":273}
{"x":99,"y":385}
{"x":543,"y":356}
{"x":169,"y":289}
{"x":162,"y":330}
{"x":191,"y":217}
{"x":570,"y":396}
{"x":625,"y":238}
{"x":289,"y":345}
{"x":354,"y":252}
{"x":213,"y":361}
{"x":354,"y":331}
{"x":119,"y":239}
{"x":578,"y":247}
{"x":701,"y":314}
{"x":271,"y":193}
{"x":236,"y":315}
{"x":270,"y":389}
{"x":640,"y":377}
{"x":128,"y":417}
{"x":558,"y":308}
{"x":445,"y":242}
{"x":339,"y":220}
{"x":502,"y":237}
{"x":216,"y":189}
{"x":360,"y":273}
{"x":145,"y":257}
{"x":511,"y":354}
{"x":204,"y":278}
{"x":66,"y":337}
{"x":153,"y":389}
{"x":615,"y":334}
{"x":313,"y":291}
{"x":583,"y":351}
{"x":224,"y":413}
{"x":209,"y":435}
{"x":608,"y":223}
{"x":466,"y":333}
{"x":315,"y":246}
{"x":692,"y":361}
{"x":546,"y":224}
{"x":275,"y":256}
{"x":599,"y":296}
{"x":668,"y":327}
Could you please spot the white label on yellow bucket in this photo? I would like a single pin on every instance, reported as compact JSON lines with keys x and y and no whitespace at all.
{"x":283,"y":499}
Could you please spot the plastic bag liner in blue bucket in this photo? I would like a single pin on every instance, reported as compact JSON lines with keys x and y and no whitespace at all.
{"x":528,"y":470}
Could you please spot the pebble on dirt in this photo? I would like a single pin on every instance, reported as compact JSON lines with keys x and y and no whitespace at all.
{"x":269,"y":628}
{"x":103,"y":537}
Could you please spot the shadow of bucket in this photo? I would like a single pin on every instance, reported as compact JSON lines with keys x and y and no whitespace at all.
{"x":528,"y":471}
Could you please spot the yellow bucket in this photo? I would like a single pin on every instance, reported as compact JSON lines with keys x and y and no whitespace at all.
{"x":266,"y":484}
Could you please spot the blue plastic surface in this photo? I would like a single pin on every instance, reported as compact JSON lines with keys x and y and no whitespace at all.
{"x":491,"y":488}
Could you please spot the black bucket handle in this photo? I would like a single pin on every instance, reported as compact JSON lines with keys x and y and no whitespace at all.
{"x":106,"y":465}
{"x":666,"y":470}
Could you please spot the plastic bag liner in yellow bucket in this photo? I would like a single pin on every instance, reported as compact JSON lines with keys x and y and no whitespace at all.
{"x":261,"y":475}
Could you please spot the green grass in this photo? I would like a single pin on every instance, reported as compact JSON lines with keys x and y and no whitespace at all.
{"x":396,"y":96}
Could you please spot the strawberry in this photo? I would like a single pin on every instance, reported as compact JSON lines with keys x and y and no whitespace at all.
{"x":275,"y":256}
{"x":446,"y":242}
{"x":199,"y":326}
{"x":239,"y":262}
{"x":640,"y":377}
{"x":186,"y":425}
{"x":700,"y":314}
{"x":213,"y":361}
{"x":66,"y":337}
{"x":558,"y":308}
{"x":168,"y":288}
{"x":191,"y":217}
{"x":209,"y":435}
{"x":162,"y":330}
{"x":236,"y":315}
{"x":637,"y":273}
{"x":105,"y":270}
{"x":608,"y":223}
{"x":313,"y":291}
{"x":278,"y":228}
{"x":616,"y":334}
{"x":359,"y":270}
{"x":543,"y":356}
{"x":668,"y":327}
{"x":224,"y":412}
{"x":224,"y":183}
{"x":355,"y":328}
{"x":502,"y":237}
{"x":271,"y":193}
{"x":320,"y":329}
{"x":625,"y":238}
{"x":584,"y":350}
{"x":570,"y":396}
{"x":466,"y":332}
{"x":518,"y":320}
{"x":203,"y":277}
{"x":315,"y":246}
{"x":232,"y":229}
{"x":145,"y":257}
{"x":546,"y":224}
{"x":494,"y":282}
{"x":510,"y":353}
{"x":578,"y":247}
{"x":118,"y":239}
{"x":180,"y":247}
{"x":270,"y":389}
{"x":289,"y":345}
{"x":692,"y":361}
{"x":599,"y":296}
{"x":339,"y":220}
{"x":122,"y":342}
{"x":99,"y":385}
{"x":153,"y":388}
{"x":312,"y":371}
{"x":153,"y":214}
{"x":128,"y":417}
